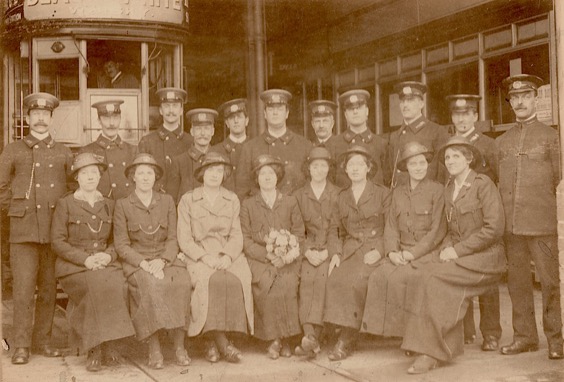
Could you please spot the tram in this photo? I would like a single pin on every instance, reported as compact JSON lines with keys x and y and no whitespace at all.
{"x":85,"y":51}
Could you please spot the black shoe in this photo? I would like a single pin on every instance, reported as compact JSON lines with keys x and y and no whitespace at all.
{"x":94,"y":360}
{"x":518,"y":347}
{"x":21,"y":356}
{"x":490,"y":343}
{"x":47,"y":351}
{"x":555,"y":351}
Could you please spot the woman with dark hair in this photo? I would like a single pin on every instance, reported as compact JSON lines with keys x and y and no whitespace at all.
{"x":317,"y":200}
{"x":86,"y":266}
{"x":415,"y":226}
{"x":356,"y":244}
{"x":145,"y":240}
{"x":209,"y":235}
{"x":470,"y":261}
{"x":273,"y":229}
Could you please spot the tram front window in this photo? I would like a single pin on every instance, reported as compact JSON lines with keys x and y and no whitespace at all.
{"x":60,"y":78}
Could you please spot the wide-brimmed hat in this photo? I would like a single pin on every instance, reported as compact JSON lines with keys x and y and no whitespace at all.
{"x":147,"y":159}
{"x":272,"y":161}
{"x":212,"y":158}
{"x":358,"y":150}
{"x":319,"y":152}
{"x":85,"y":160}
{"x":460,"y":141}
{"x":411,"y":149}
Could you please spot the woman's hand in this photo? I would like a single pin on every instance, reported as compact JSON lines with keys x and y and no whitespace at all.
{"x":210,"y":260}
{"x":407,"y":256}
{"x":91,"y":263}
{"x":448,"y":254}
{"x":156,"y":266}
{"x":335,"y":262}
{"x":224,"y":262}
{"x":396,"y":258}
{"x":371,"y":257}
{"x":144,"y":265}
{"x":278,"y":262}
{"x":313,"y":257}
{"x":103,"y":258}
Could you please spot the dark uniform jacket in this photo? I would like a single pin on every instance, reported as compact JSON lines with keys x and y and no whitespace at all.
{"x":145,"y":233}
{"x":291,"y":148}
{"x":475,"y":224}
{"x":117,"y":154}
{"x":33,"y":176}
{"x":181,"y":175}
{"x":528,"y":163}
{"x":416,"y":221}
{"x":165,"y":145}
{"x":427,"y":133}
{"x":231,"y":151}
{"x":359,"y":228}
{"x":375,"y":144}
{"x":316,"y":143}
{"x":80,"y":230}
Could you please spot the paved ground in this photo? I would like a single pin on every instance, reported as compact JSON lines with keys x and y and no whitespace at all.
{"x":376,"y":359}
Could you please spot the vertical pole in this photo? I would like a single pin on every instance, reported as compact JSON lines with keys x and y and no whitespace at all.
{"x":252,"y":97}
{"x":260,"y":42}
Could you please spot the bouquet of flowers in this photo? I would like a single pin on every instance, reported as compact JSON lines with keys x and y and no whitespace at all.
{"x":283,"y":245}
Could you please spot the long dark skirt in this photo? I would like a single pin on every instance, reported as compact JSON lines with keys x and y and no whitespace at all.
{"x":436,"y":302}
{"x":159,"y":304}
{"x":313,"y":282}
{"x":276,"y":302}
{"x":97,"y":310}
{"x":346,"y":292}
{"x":226,"y":306}
{"x":385,"y":299}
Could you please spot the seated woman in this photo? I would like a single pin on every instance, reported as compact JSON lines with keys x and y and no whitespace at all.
{"x":275,"y":274}
{"x":415,"y":226}
{"x":86,"y":266}
{"x":209,"y":235}
{"x":145,"y":240}
{"x":356,"y":244}
{"x":317,"y":200}
{"x":471,"y":260}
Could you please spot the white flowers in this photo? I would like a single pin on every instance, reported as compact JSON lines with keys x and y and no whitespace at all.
{"x":281,"y":245}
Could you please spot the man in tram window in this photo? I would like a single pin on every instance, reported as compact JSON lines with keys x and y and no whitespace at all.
{"x":415,"y":127}
{"x":117,"y":153}
{"x":169,"y":140}
{"x":118,"y":78}
{"x":33,"y":176}
{"x":528,"y":166}
{"x":322,"y":113}
{"x":236,"y":119}
{"x":277,"y":140}
{"x":181,"y":177}
{"x":355,"y":106}
{"x":464,"y":114}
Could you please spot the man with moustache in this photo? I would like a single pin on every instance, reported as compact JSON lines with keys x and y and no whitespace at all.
{"x":415,"y":127}
{"x":464,"y":114}
{"x":355,"y":105}
{"x":33,"y":176}
{"x":169,"y":140}
{"x":322,"y":114}
{"x":117,"y":78}
{"x":181,"y":177}
{"x":278,"y":140}
{"x":236,"y":119}
{"x":528,"y":165}
{"x":117,"y":153}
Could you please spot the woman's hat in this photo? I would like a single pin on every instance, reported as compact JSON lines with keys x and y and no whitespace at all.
{"x":147,"y":159}
{"x":319,"y":152}
{"x":411,"y":149}
{"x":459,"y":140}
{"x":210,"y":159}
{"x":358,"y":150}
{"x":87,"y":159}
{"x":269,"y":160}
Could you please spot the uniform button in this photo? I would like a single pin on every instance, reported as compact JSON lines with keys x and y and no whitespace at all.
{"x":353,"y":141}
{"x":285,"y":143}
{"x":373,"y":232}
{"x":38,"y":206}
{"x":285,"y":162}
{"x":114,"y":185}
{"x":37,"y":164}
{"x":123,"y":164}
{"x":167,"y":157}
{"x":273,"y":144}
{"x":93,"y":216}
{"x":37,"y":185}
{"x":232,"y":150}
{"x":127,"y":185}
{"x":35,"y":147}
{"x":234,"y":168}
{"x":52,"y":185}
{"x":48,"y":146}
{"x":95,"y":245}
{"x":166,"y":139}
{"x":78,"y":222}
{"x":107,"y":148}
{"x":110,"y":165}
{"x":50,"y":165}
{"x":403,"y":132}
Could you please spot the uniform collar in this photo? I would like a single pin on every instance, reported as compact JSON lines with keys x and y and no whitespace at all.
{"x":237,"y":140}
{"x":229,"y":144}
{"x":416,"y":125}
{"x":470,"y":178}
{"x":195,"y":154}
{"x":286,"y":138}
{"x":366,"y":136}
{"x":31,"y":141}
{"x":260,"y":200}
{"x":163,"y":132}
{"x":528,"y":121}
{"x":106,"y":143}
{"x":223,"y":197}
{"x":364,"y":197}
{"x":324,"y":195}
{"x":134,"y":199}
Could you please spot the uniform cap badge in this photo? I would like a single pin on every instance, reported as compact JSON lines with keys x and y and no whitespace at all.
{"x":234,"y":108}
{"x":41,"y":102}
{"x":407,"y":90}
{"x":517,"y":85}
{"x":353,"y":99}
{"x":460,"y":102}
{"x":275,"y":98}
{"x":321,"y":108}
{"x":110,"y":108}
{"x":170,"y":95}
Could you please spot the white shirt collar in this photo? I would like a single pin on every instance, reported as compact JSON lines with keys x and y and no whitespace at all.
{"x":40,"y":136}
{"x":238,"y":139}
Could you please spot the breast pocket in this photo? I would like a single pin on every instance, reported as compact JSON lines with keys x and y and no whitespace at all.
{"x":74,"y":227}
{"x":258,"y":232}
{"x":470,"y":215}
{"x":538,"y":154}
{"x":423,"y":216}
{"x":372,"y":215}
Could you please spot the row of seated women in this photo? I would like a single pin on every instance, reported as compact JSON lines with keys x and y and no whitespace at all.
{"x":360,"y":260}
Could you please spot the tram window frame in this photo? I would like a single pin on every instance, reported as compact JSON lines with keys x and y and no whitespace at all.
{"x":60,"y":77}
{"x":389,"y":98}
{"x":126,"y":54}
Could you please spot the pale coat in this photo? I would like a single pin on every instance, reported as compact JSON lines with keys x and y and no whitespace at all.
{"x":205,"y":228}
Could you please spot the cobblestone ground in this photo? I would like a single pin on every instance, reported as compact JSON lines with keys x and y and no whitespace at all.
{"x":375,"y":359}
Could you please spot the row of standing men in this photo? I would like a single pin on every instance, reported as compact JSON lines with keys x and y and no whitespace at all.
{"x":525,"y":157}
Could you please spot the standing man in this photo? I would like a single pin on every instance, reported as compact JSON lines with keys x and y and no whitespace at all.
{"x":33,"y":176}
{"x":117,"y":154}
{"x":169,"y":140}
{"x":322,"y":114}
{"x":181,"y":178}
{"x":277,"y":140}
{"x":117,"y":78}
{"x":355,"y":104}
{"x":415,"y":127}
{"x":529,"y":172}
{"x":464,"y":114}
{"x":236,"y":119}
